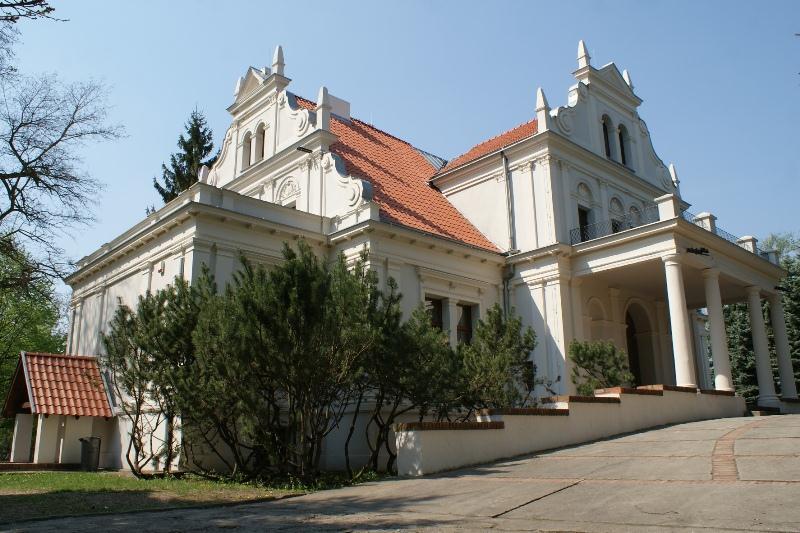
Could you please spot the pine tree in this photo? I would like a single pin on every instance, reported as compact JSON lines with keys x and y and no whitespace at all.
{"x":597,"y":365}
{"x":497,"y":371}
{"x":184,"y":165}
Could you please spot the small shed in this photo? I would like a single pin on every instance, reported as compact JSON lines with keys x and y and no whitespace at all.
{"x":55,"y":399}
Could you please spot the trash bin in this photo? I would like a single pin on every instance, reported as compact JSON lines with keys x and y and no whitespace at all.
{"x":90,"y":454}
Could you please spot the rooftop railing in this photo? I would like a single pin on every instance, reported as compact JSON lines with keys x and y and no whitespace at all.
{"x":730,"y":237}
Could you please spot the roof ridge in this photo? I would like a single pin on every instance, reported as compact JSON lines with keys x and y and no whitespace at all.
{"x":490,"y":139}
{"x":71,"y":356}
{"x":365,"y":123}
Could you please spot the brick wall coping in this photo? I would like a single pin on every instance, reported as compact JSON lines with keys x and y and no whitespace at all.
{"x":433,"y":426}
{"x":525,"y":411}
{"x":629,"y":390}
{"x":671,"y":388}
{"x":718,"y":392}
{"x":581,"y":399}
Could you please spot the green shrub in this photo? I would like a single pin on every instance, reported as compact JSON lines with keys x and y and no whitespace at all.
{"x":597,"y":365}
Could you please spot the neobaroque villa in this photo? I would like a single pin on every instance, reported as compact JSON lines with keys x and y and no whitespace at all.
{"x":571,"y":218}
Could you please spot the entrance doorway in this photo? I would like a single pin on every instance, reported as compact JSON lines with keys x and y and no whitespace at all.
{"x":639,"y":337}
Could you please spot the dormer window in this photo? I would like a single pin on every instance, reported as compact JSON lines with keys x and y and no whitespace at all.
{"x":624,"y":146}
{"x":607,"y":129}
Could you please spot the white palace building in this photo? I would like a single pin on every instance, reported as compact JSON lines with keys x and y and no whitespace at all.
{"x":571,"y":218}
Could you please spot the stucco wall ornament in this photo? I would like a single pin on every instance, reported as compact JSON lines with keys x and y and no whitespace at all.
{"x":565,"y":120}
{"x":355,"y":189}
{"x":301,"y":121}
{"x":289,"y":189}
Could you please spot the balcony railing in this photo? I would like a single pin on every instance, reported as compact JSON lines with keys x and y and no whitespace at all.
{"x":649,"y":215}
{"x":614,"y":225}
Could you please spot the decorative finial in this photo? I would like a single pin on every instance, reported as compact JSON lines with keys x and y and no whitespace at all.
{"x":202,"y":174}
{"x":277,"y":61}
{"x":674,"y":173}
{"x":627,"y":77}
{"x":238,"y":86}
{"x":323,"y":109}
{"x":584,"y":59}
{"x":542,"y":111}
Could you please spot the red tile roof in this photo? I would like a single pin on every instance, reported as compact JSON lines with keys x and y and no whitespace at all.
{"x":399,"y":175}
{"x":65,"y":385}
{"x":495,"y":143}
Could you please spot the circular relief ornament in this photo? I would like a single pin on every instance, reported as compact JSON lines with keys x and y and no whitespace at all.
{"x":564,"y":121}
{"x":302,"y":121}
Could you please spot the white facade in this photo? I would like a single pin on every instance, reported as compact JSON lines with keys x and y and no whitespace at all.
{"x":579,"y":226}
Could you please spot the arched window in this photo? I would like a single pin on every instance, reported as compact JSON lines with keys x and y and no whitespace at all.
{"x":624,"y":146}
{"x":246,"y":150}
{"x":607,"y":129}
{"x":260,"y":137}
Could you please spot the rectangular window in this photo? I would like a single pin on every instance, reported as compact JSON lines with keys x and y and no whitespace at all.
{"x":435,"y":309}
{"x":464,"y":328}
{"x":583,"y":223}
{"x":583,"y":216}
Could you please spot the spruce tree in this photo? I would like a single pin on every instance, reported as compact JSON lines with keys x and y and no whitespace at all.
{"x":184,"y":165}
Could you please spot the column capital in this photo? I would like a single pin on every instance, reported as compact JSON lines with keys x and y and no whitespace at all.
{"x":711,"y":273}
{"x":672,"y":259}
{"x":752,"y":289}
{"x":775,"y":298}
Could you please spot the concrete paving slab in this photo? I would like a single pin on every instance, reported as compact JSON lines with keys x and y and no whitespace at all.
{"x":675,"y":435}
{"x":772,"y":432}
{"x":656,"y":469}
{"x":684,"y":505}
{"x":776,"y":446}
{"x":769,"y":468}
{"x":546,"y":467}
{"x":613,"y":448}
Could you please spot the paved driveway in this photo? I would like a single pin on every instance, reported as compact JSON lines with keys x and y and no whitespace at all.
{"x":729,"y":474}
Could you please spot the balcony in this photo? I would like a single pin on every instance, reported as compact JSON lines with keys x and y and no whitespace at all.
{"x":614,"y":225}
{"x":665,"y":210}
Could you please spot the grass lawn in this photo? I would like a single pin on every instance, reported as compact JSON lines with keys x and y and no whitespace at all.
{"x":49,"y":494}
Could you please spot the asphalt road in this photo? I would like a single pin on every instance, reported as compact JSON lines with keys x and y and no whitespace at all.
{"x":736,"y":474}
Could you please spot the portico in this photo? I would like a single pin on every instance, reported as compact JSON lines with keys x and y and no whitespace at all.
{"x":700,"y":268}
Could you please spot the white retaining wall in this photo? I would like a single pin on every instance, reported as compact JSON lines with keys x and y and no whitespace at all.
{"x":425,"y":451}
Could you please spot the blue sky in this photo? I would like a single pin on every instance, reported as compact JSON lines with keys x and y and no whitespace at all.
{"x":719,"y":80}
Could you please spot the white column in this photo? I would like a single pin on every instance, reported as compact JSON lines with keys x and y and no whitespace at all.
{"x":719,"y":339}
{"x":21,"y":445}
{"x":766,"y":383}
{"x":452,"y":321}
{"x":679,"y":320}
{"x":667,"y":360}
{"x":788,"y":385}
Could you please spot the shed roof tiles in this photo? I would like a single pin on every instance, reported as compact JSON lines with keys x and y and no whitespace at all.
{"x":63,"y":385}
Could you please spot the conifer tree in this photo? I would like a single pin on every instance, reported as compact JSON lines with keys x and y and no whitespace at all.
{"x":184,"y":165}
{"x":597,"y":365}
{"x":497,"y":371}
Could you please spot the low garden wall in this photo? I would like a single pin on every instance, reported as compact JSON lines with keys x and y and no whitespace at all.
{"x":428,"y":447}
